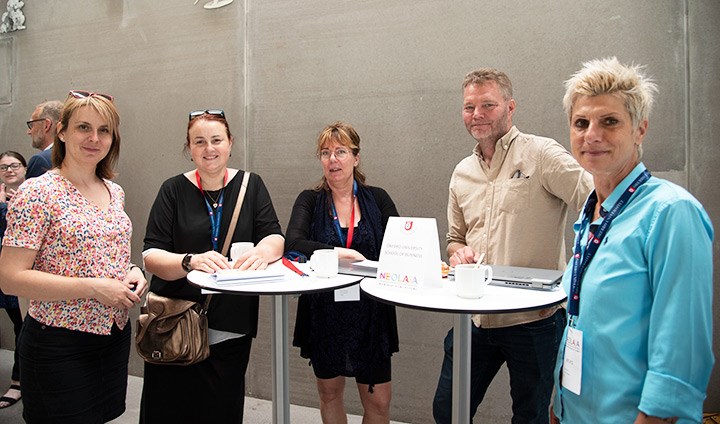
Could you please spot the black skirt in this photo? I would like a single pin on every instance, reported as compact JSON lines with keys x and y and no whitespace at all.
{"x":72,"y":376}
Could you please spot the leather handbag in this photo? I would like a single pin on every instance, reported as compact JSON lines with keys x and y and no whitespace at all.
{"x":175,"y":331}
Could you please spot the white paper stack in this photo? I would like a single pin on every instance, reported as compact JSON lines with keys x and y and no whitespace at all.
{"x":234,"y":276}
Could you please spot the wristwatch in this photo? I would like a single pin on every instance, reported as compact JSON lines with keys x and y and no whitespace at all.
{"x":186,"y":262}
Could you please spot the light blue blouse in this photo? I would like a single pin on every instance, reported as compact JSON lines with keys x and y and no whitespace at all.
{"x":645,"y":311}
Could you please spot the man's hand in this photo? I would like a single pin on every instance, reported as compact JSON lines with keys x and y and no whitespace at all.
{"x":464,"y":255}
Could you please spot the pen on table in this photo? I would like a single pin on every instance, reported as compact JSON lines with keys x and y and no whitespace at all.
{"x":293,"y":268}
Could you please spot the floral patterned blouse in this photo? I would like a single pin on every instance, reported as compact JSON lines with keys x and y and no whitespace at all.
{"x":73,"y":238}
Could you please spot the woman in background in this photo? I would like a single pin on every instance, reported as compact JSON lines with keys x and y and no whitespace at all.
{"x":67,"y":249}
{"x":638,"y":344}
{"x":186,"y":229}
{"x":12,"y":174}
{"x":344,"y":339}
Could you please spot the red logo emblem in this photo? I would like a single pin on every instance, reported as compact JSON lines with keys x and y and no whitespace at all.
{"x":408,"y":225}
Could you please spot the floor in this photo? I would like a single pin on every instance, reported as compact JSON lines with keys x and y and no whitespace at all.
{"x":257,"y":411}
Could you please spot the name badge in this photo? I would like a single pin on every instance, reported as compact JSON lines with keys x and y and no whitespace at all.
{"x":348,"y":294}
{"x":572,"y":362}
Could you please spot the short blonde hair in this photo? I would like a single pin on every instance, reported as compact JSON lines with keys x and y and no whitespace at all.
{"x":485,"y":75}
{"x":608,"y":76}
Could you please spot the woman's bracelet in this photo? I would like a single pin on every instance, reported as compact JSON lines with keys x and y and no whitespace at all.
{"x":136,"y":266}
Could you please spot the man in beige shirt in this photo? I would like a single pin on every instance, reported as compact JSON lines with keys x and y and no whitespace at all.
{"x":508,"y":203}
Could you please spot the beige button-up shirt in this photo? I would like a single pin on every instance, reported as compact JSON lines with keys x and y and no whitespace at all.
{"x":515,"y":210}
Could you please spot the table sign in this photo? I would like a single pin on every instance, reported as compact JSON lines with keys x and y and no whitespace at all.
{"x":410,"y":254}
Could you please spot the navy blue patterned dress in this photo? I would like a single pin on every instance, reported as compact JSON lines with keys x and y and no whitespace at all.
{"x":347,"y":338}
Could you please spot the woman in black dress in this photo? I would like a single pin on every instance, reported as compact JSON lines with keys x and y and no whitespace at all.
{"x":186,"y":229}
{"x":344,"y":339}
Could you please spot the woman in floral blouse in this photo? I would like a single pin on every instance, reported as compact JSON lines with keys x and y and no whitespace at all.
{"x":67,"y":248}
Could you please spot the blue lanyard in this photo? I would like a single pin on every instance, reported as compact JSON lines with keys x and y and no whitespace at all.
{"x":215,"y":216}
{"x":581,"y":261}
{"x":351,"y":225}
{"x":215,"y":219}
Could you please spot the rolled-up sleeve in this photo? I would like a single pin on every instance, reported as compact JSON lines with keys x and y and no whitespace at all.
{"x":680,"y":357}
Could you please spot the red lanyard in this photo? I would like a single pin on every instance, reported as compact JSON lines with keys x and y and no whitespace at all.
{"x":351,"y":224}
{"x":199,"y":181}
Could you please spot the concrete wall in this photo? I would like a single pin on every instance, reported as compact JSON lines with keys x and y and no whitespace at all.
{"x":282,"y":69}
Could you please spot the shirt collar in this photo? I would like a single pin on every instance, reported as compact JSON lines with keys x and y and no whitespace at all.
{"x":501,"y":146}
{"x":623,"y":186}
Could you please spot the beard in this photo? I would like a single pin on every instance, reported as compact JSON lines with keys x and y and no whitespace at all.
{"x":498,"y":128}
{"x":37,"y":141}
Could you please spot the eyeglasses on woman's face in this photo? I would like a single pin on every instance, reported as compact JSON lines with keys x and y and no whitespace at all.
{"x":340,"y":153}
{"x":81,"y":94}
{"x":196,"y":113}
{"x":14,"y":166}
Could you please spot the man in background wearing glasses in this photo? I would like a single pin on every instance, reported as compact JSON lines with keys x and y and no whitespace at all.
{"x":41,"y":129}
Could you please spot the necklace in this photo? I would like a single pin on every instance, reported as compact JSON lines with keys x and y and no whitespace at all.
{"x":216,"y":199}
{"x":214,"y":215}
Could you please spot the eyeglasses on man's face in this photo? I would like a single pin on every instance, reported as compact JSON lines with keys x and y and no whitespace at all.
{"x":196,"y":113}
{"x":32,"y":121}
{"x":340,"y":153}
{"x":81,"y":94}
{"x":14,"y":166}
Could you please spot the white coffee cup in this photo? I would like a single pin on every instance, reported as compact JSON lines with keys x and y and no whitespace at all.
{"x":324,"y":263}
{"x":471,"y":279}
{"x":237,"y":249}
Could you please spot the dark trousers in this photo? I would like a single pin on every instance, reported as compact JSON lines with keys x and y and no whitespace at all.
{"x":16,"y":318}
{"x":529,"y":350}
{"x":72,"y":376}
{"x":211,"y":391}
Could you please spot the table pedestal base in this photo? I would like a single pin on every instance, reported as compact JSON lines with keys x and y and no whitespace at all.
{"x":280,"y":365}
{"x":461,"y":369}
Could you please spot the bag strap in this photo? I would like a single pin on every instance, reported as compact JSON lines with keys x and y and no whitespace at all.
{"x":236,"y":213}
{"x":233,"y":224}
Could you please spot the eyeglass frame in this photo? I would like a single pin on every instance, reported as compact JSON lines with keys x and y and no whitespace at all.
{"x":195,"y":113}
{"x":32,"y":121}
{"x":82,"y":94}
{"x":335,"y":152}
{"x":14,"y":166}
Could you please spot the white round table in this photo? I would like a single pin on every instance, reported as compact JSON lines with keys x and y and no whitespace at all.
{"x":496,"y":300}
{"x":290,"y":284}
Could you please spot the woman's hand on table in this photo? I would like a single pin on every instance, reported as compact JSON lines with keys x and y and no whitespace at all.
{"x":209,"y":262}
{"x":250,"y":260}
{"x":352,"y":254}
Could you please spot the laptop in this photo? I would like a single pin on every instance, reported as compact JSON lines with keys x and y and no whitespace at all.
{"x":526,"y":278}
{"x":360,"y":269}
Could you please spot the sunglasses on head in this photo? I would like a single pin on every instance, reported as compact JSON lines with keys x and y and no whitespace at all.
{"x":81,"y":94}
{"x":196,"y":113}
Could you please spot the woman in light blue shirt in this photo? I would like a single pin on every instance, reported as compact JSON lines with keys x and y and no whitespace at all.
{"x":638,"y":345}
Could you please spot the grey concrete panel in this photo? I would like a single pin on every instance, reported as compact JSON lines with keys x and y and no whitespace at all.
{"x":704,"y":154}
